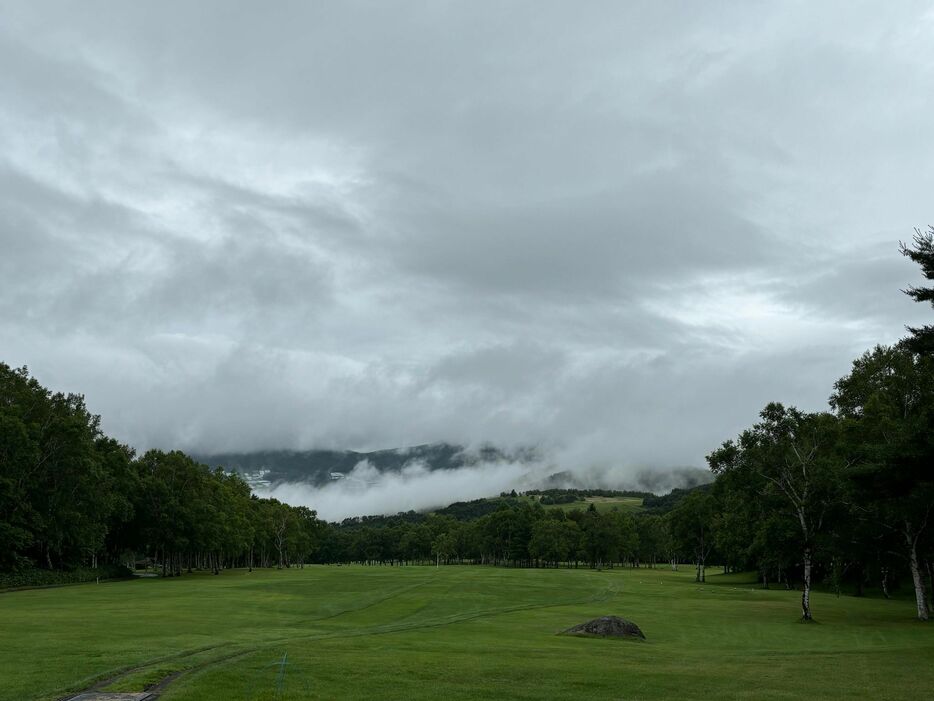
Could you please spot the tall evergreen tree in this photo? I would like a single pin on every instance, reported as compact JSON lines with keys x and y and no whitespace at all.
{"x":921,"y":251}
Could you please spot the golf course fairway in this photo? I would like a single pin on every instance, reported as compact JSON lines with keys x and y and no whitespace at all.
{"x":327,"y":632}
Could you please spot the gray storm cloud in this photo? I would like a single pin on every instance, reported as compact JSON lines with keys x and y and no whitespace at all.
{"x":615,"y":231}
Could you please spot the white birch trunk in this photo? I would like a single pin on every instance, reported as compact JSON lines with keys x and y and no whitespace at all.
{"x":920,"y":596}
{"x":806,"y":594}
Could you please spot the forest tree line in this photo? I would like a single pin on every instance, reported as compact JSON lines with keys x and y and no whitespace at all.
{"x":72,"y":497}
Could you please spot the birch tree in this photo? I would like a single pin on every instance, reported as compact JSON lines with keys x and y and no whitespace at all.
{"x":792,"y":455}
{"x":692,"y":528}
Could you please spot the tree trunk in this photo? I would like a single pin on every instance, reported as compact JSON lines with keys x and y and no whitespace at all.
{"x":806,"y":593}
{"x":885,"y":582}
{"x":920,"y":597}
{"x":930,"y":584}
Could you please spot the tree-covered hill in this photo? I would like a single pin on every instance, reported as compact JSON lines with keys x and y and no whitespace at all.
{"x":663,"y":503}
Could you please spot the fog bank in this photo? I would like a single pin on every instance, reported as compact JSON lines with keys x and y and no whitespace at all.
{"x":366,"y":491}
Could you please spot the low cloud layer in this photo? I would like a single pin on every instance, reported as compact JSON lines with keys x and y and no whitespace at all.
{"x":614,"y":231}
{"x":364,"y":490}
{"x":367,"y":491}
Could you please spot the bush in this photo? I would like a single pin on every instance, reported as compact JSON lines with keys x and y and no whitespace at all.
{"x":43,"y":578}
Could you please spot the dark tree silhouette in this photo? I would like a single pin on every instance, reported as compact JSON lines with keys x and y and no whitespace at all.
{"x":921,"y":251}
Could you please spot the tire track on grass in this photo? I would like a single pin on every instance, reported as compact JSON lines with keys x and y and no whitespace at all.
{"x":109,"y":678}
{"x":163,"y":684}
{"x":602,"y":595}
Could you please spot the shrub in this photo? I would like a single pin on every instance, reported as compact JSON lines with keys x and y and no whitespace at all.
{"x":42,"y":578}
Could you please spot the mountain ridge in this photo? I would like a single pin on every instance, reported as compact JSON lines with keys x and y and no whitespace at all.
{"x":318,"y":467}
{"x":264,"y":469}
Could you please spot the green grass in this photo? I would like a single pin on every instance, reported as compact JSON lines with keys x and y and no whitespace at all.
{"x":602,"y":504}
{"x":458,"y":632}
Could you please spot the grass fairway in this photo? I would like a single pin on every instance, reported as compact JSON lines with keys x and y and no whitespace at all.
{"x":457,"y":632}
{"x":603,"y":504}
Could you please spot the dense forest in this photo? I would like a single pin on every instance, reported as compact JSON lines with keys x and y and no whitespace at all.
{"x":71,"y":497}
{"x":842,"y":498}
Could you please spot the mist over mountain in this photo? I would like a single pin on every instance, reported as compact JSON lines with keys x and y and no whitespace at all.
{"x":657,"y":481}
{"x":319,"y":467}
{"x":339,"y":484}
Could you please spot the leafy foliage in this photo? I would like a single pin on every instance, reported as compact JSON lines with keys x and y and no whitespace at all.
{"x":73,"y":498}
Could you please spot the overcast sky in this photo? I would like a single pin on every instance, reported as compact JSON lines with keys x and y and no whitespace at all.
{"x":614,"y":229}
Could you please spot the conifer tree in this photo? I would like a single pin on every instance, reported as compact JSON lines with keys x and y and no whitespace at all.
{"x":921,"y":251}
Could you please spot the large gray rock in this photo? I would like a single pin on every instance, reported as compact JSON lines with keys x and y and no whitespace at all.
{"x":607,"y":627}
{"x":110,"y":696}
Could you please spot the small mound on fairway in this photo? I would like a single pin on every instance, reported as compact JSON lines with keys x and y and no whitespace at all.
{"x":607,"y":627}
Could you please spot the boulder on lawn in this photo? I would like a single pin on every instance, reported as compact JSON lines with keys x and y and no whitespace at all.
{"x":607,"y":627}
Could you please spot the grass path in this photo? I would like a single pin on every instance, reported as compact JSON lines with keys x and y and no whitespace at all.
{"x":456,"y":632}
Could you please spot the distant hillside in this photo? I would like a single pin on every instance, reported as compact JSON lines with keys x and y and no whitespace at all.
{"x":603,"y":500}
{"x":667,"y":502}
{"x":318,"y":467}
{"x":655,"y":481}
